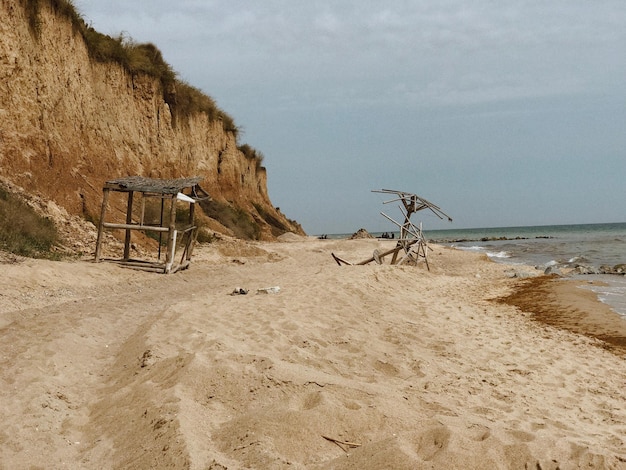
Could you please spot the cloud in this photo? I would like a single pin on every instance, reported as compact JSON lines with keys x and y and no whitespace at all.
{"x":366,"y":53}
{"x":404,"y":35}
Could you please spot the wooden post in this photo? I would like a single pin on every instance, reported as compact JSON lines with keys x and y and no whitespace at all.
{"x":105,"y":200}
{"x":194,"y":232}
{"x":192,"y":208}
{"x":129,"y":219}
{"x":171,"y":236}
{"x":161,"y":225}
{"x":395,"y":253}
{"x":192,"y":243}
{"x":143,"y":209}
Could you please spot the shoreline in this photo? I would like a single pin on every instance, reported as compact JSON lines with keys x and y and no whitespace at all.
{"x":109,"y":368}
{"x":565,"y":303}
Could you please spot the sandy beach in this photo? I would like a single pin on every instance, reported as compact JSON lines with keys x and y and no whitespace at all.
{"x":345,"y":367}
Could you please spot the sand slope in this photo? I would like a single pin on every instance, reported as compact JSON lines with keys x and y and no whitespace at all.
{"x":104,"y":367}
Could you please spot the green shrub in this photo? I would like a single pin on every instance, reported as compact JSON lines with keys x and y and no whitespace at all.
{"x":23,"y":231}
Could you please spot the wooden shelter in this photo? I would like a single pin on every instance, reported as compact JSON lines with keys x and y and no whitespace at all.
{"x":411,"y":245}
{"x":185,"y":190}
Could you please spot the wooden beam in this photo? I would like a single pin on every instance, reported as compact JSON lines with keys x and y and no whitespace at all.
{"x":129,"y":219}
{"x":192,"y":244}
{"x":171,"y":236}
{"x":161,"y":225}
{"x":377,"y":254}
{"x":339,"y":260}
{"x":143,"y":210}
{"x":154,"y":228}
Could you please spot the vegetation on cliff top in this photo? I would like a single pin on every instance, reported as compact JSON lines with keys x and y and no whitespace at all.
{"x":182,"y":98}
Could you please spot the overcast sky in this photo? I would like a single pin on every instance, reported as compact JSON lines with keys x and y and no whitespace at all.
{"x":503,"y":113}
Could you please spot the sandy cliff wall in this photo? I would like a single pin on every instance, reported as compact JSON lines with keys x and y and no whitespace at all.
{"x":68,"y":123}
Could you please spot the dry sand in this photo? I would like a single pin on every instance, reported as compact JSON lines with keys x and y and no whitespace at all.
{"x":105,"y":367}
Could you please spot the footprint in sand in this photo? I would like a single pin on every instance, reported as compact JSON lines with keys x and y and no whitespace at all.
{"x":312,"y":400}
{"x":521,"y":435}
{"x":479,"y":433}
{"x":432,"y":441}
{"x":388,"y":369}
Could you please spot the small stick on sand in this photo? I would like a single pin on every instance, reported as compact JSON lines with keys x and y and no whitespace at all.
{"x":341,"y":444}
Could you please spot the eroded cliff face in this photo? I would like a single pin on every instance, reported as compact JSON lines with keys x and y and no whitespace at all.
{"x":68,"y":124}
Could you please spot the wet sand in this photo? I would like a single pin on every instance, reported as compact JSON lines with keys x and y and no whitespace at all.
{"x":566,"y":304}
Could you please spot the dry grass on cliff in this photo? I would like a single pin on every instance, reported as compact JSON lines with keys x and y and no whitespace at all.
{"x":252,"y":154}
{"x":23,"y":231}
{"x":241,"y":224}
{"x":183,"y":99}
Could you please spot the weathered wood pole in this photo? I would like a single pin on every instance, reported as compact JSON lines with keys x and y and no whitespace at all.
{"x":161,"y":225}
{"x":105,"y":200}
{"x":129,"y":219}
{"x":171,"y":235}
{"x":194,"y":232}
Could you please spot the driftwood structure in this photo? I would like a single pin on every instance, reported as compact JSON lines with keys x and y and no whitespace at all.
{"x":185,"y":190}
{"x":411,"y":246}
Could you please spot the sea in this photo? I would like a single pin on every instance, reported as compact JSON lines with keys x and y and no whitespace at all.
{"x":559,"y":246}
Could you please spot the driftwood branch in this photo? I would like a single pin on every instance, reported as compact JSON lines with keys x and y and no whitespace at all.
{"x":411,"y":239}
{"x":340,"y":261}
{"x":414,"y":203}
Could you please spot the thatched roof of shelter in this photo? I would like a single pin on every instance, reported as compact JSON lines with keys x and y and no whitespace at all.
{"x":152,"y":185}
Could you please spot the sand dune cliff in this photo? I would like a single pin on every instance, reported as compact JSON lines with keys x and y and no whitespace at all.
{"x":68,"y":123}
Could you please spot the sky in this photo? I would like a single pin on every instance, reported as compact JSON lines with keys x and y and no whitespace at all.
{"x":501,"y":112}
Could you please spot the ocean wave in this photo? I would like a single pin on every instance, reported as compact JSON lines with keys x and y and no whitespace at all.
{"x":470,"y":248}
{"x":482,"y":249}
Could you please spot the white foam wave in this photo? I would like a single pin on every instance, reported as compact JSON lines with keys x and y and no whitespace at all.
{"x":471,"y":248}
{"x":490,"y":254}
